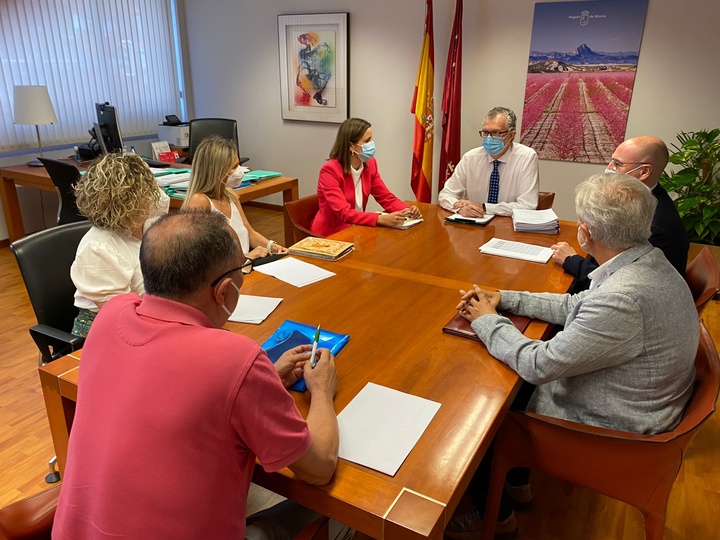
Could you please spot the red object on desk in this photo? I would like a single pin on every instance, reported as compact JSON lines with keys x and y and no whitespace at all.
{"x":168,"y":157}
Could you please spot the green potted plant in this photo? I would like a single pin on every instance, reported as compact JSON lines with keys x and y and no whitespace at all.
{"x":697,"y":184}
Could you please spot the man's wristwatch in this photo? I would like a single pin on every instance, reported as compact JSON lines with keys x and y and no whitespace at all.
{"x":484,"y":209}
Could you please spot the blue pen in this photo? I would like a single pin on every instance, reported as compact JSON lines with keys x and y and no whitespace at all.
{"x":313,"y":358}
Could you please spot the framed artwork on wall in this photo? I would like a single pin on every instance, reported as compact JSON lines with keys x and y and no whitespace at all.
{"x":314,"y":67}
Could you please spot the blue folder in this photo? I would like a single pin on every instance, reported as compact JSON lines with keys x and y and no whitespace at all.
{"x":291,"y":334}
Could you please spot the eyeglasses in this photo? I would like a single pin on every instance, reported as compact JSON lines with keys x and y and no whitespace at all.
{"x":494,"y":134}
{"x":614,"y":163}
{"x":246,"y":268}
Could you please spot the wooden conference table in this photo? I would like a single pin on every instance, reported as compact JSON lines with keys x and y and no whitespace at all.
{"x":38,"y":178}
{"x":393,"y":295}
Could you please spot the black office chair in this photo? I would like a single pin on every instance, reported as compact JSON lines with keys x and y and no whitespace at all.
{"x":200,"y":128}
{"x":45,"y":259}
{"x":64,"y":175}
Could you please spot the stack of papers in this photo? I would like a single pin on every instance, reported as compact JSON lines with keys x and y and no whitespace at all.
{"x":539,"y":221}
{"x":516,"y":250}
{"x":380,"y":427}
{"x":254,"y":309}
{"x":294,"y":272}
{"x":177,"y":178}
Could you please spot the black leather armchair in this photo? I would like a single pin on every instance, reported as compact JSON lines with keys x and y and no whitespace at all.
{"x":64,"y":175}
{"x":45,"y":259}
{"x":200,"y":128}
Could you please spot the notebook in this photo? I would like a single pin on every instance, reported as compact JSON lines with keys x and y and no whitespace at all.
{"x":457,"y":218}
{"x":460,"y":326}
{"x":516,"y":250}
{"x":321,"y":248}
{"x":409,"y":222}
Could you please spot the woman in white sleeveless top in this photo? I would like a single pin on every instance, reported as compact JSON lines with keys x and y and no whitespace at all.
{"x":215,"y":171}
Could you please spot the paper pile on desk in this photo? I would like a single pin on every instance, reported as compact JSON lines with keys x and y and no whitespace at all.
{"x":539,"y":221}
{"x":380,"y":427}
{"x":294,"y":271}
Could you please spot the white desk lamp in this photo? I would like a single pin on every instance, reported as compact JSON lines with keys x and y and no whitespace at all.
{"x":32,"y":106}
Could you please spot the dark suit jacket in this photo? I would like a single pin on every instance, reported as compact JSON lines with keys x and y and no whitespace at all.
{"x":666,"y":233}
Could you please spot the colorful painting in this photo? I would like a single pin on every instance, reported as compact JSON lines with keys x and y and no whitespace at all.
{"x":581,"y":72}
{"x":313,"y":66}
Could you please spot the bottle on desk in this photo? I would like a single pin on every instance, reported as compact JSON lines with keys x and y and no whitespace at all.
{"x":132,"y":150}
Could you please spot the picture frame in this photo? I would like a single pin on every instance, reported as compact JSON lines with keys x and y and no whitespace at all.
{"x":314,"y":67}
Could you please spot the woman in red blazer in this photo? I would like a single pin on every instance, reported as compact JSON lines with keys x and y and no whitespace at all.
{"x":348,"y":179}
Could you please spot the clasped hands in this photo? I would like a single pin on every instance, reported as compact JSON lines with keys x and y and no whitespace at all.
{"x":396,"y":219}
{"x":478,"y":302}
{"x":468,"y":208}
{"x":295,"y":363}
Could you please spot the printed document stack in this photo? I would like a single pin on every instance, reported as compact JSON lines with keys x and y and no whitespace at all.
{"x":539,"y":221}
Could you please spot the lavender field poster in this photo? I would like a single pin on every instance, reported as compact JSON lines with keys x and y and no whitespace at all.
{"x":581,"y":72}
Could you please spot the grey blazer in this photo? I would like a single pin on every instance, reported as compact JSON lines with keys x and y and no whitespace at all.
{"x":625,"y":357}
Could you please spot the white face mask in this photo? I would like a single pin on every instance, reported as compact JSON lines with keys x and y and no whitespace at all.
{"x":229,"y":313}
{"x":581,"y":241}
{"x":235,"y":178}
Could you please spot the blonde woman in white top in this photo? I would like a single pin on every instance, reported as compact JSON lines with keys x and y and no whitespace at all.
{"x":215,"y":171}
{"x":118,"y":194}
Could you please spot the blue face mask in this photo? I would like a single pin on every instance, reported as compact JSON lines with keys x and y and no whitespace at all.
{"x":368,"y":151}
{"x":493,"y":146}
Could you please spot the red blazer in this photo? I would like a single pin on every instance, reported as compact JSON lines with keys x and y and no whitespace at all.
{"x":336,"y":198}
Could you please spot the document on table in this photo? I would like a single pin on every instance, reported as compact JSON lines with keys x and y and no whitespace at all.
{"x":541,"y":221}
{"x":380,"y":427}
{"x":294,"y":271}
{"x":516,"y":250}
{"x":254,"y":309}
{"x":173,"y":179}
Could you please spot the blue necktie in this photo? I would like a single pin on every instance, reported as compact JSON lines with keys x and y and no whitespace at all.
{"x":494,"y":184}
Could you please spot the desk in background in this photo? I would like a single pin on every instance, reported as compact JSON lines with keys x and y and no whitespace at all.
{"x":38,"y":178}
{"x":392,"y":295}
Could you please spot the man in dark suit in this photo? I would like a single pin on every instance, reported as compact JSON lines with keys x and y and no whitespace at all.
{"x":644,"y":158}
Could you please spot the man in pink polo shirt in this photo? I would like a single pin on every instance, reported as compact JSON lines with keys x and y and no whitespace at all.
{"x":172,"y":410}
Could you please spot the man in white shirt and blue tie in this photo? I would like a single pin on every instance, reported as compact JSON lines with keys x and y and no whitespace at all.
{"x":496,"y":177}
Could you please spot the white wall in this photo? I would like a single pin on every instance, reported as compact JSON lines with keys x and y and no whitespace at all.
{"x":234,"y":72}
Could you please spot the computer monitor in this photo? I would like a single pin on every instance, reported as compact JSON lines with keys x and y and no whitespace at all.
{"x":109,"y":127}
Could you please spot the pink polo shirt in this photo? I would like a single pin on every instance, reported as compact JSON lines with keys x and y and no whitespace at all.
{"x":171,"y":413}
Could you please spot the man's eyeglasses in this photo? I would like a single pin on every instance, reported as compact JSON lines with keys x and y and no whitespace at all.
{"x":494,"y":134}
{"x":614,"y":163}
{"x":246,"y":268}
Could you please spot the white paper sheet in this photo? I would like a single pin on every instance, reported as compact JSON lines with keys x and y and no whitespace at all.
{"x":516,"y":250}
{"x":294,"y":271}
{"x":254,"y":309}
{"x":380,"y":427}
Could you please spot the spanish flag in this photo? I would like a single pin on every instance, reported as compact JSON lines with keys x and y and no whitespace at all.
{"x":423,"y":109}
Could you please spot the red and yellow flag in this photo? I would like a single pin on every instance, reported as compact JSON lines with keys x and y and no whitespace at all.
{"x":423,"y":109}
{"x":451,"y":101}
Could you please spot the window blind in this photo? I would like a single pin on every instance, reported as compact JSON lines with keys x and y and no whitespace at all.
{"x":87,"y":51}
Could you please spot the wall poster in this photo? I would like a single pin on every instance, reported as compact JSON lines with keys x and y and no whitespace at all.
{"x":314,"y":66}
{"x":581,"y":72}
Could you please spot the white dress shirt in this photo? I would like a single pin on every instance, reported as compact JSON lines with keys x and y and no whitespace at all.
{"x":519,"y":180}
